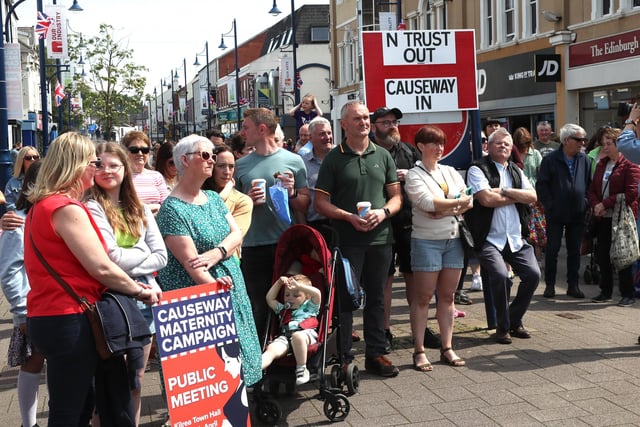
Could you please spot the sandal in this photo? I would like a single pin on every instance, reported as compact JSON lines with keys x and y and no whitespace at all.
{"x":455,"y":362}
{"x":462,"y":298}
{"x":423,"y":367}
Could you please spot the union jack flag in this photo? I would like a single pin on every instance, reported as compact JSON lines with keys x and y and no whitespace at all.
{"x":42,"y":25}
{"x":59,"y":93}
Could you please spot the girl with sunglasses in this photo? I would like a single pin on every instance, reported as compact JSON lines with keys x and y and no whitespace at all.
{"x":26,"y":157}
{"x":149,"y":184}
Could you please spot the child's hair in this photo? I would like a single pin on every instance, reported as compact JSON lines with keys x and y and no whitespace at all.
{"x":302,"y":279}
{"x":309,"y":98}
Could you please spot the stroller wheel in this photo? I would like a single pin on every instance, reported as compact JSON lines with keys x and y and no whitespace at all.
{"x":269,"y":411}
{"x":353,"y":378}
{"x":337,"y":407}
{"x":335,"y":379}
{"x":587,"y":275}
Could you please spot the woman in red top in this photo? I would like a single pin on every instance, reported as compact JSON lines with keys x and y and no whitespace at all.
{"x":614,"y":175}
{"x":65,"y":233}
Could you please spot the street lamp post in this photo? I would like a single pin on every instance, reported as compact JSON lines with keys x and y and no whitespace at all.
{"x":186,"y":97}
{"x":235,"y":45}
{"x":155,"y":115}
{"x":196,"y":63}
{"x":294,"y":45}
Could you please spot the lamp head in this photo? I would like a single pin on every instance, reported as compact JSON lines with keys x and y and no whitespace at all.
{"x":274,"y":10}
{"x":75,"y":7}
{"x":196,"y":63}
{"x":222,"y":45}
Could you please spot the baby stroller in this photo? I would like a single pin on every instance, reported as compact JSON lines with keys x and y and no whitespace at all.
{"x":303,"y":244}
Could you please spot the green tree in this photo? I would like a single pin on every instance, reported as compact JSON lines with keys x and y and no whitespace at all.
{"x":113,"y":85}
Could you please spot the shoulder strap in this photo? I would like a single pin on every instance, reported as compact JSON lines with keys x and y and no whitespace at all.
{"x":65,"y":285}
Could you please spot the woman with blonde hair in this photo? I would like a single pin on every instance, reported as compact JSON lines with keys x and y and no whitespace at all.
{"x":64,"y":232}
{"x":26,"y":157}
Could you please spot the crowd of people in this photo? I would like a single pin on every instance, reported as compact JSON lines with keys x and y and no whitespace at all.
{"x":144,"y":218}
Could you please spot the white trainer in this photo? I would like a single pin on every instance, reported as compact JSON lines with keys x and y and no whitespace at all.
{"x":302,"y":375}
{"x":476,"y":283}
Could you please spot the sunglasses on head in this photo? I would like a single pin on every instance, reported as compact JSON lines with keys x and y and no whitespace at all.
{"x":136,"y":150}
{"x":34,"y":157}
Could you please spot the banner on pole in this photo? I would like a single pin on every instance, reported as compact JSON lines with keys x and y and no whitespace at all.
{"x":57,"y":45}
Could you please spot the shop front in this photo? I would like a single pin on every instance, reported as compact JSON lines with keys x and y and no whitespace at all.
{"x":508,"y":91}
{"x":603,"y":78}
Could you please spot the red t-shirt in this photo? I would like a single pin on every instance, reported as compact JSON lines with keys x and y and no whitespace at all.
{"x":47,"y":297}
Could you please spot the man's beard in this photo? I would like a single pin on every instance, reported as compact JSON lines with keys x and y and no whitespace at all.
{"x":391,"y":138}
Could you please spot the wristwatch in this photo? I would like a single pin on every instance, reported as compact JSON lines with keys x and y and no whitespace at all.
{"x":387,"y":212}
{"x":503,"y":191}
{"x":630,"y":122}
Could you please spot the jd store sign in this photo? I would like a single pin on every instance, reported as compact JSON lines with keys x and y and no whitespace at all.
{"x":548,"y":68}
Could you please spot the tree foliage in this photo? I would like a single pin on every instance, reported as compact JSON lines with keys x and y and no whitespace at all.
{"x":113,"y":85}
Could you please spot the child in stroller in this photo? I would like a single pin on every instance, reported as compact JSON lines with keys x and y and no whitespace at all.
{"x":298,"y":321}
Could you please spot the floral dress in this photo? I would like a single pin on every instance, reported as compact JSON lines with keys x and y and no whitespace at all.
{"x":207,"y":226}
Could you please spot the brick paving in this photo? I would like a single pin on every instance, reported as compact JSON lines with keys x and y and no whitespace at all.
{"x":580,"y":368}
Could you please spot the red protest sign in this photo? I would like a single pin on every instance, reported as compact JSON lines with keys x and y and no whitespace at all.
{"x":420,"y":71}
{"x":199,"y":352}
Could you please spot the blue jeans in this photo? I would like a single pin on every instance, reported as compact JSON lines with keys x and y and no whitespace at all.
{"x":573,"y":237}
{"x":67,"y":344}
{"x":371,"y":263}
{"x":523,"y":262}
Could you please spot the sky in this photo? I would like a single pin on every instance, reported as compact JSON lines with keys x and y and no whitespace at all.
{"x":162,"y":32}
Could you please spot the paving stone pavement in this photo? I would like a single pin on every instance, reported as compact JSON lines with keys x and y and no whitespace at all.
{"x":580,"y":368}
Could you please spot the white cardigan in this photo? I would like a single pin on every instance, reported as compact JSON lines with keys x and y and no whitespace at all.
{"x":421,"y":190}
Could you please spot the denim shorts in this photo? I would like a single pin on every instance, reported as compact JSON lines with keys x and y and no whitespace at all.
{"x":434,"y":255}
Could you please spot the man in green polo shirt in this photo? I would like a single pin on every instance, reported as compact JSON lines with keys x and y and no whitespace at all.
{"x":358,"y":171}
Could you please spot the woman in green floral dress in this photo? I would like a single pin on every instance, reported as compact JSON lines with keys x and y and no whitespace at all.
{"x":201,"y":236}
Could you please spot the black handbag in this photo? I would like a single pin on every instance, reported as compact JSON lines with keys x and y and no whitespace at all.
{"x":465,"y":233}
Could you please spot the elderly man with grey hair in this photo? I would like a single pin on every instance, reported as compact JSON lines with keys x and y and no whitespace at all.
{"x":563,"y":181}
{"x":497,"y":221}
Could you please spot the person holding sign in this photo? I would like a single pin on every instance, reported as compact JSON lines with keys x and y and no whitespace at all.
{"x":202,"y":236}
{"x":297,"y":319}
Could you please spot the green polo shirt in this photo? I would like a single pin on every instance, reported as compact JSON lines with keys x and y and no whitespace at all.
{"x":349,"y":178}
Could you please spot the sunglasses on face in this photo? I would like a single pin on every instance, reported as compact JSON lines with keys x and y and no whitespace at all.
{"x":97,"y":163}
{"x":136,"y":150}
{"x":204,"y":155}
{"x":35,"y":157}
{"x":579,"y":139}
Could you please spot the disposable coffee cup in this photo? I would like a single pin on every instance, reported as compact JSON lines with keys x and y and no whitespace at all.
{"x":262,"y":184}
{"x":363,"y":208}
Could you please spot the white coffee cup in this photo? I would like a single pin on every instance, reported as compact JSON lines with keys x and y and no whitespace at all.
{"x":363,"y":208}
{"x":262,"y":184}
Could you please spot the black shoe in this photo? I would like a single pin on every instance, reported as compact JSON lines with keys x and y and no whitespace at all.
{"x":380,"y":366}
{"x":549,"y":292}
{"x":431,"y":340}
{"x":520,"y":332}
{"x":502,"y":337}
{"x":388,"y":341}
{"x":462,"y":298}
{"x":601,"y":298}
{"x":575,"y":292}
{"x":626,"y":302}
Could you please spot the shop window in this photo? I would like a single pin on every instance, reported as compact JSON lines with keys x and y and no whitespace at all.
{"x":530,"y":18}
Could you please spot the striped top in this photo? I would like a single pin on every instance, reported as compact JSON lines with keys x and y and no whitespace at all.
{"x":150,"y":186}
